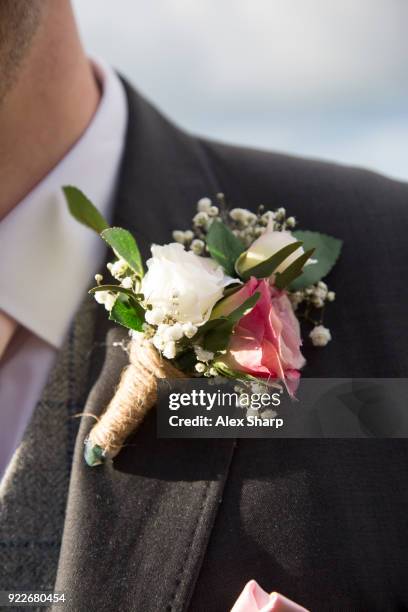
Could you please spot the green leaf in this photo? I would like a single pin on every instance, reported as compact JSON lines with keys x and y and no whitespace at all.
{"x":124,"y":246}
{"x":217,"y":332}
{"x":224,"y":246}
{"x":244,"y":308}
{"x":327,"y":251}
{"x":267,"y":267}
{"x":217,"y":339}
{"x":117,"y":289}
{"x":83,"y":210}
{"x":227,"y":372}
{"x":235,"y":315}
{"x":231,"y":289}
{"x":128,"y":314}
{"x":284,"y":278}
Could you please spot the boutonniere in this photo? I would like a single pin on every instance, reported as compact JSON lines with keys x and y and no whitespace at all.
{"x":224,"y":299}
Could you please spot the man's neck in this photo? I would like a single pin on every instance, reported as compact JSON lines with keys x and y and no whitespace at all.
{"x":47,"y":110}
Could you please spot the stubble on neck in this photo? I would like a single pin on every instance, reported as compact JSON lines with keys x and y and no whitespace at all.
{"x":19,"y":21}
{"x":48,"y":93}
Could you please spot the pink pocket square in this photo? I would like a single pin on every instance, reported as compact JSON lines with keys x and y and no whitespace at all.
{"x":254,"y":599}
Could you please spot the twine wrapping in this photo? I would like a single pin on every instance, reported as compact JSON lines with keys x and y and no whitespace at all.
{"x":135,"y":395}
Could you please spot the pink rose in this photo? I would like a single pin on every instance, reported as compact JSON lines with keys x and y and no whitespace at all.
{"x":266,"y":342}
{"x":255,"y":599}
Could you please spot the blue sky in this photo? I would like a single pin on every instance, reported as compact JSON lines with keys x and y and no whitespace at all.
{"x":309,"y":77}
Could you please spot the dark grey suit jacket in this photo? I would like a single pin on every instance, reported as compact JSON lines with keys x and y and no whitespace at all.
{"x":176,"y":525}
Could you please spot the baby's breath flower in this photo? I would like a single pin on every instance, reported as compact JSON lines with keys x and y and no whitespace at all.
{"x":269,"y":215}
{"x":213,"y":211}
{"x":106,"y":298}
{"x":201,"y":219}
{"x":173,"y":332}
{"x":290,"y":222}
{"x":296,"y":298}
{"x":100,"y":296}
{"x":200,"y":367}
{"x":238,"y":214}
{"x":169,"y":350}
{"x":189,"y":330}
{"x":280,"y":213}
{"x":251,"y":217}
{"x":155,"y":316}
{"x":110,"y":301}
{"x":331,"y":296}
{"x":161,"y":329}
{"x":178,"y":236}
{"x":183,"y":237}
{"x":243,"y":217}
{"x":258,"y":231}
{"x":320,"y":293}
{"x":148,"y":330}
{"x":204,"y":205}
{"x":118,"y":268}
{"x":202,"y":354}
{"x":318,"y":302}
{"x":320,"y":335}
{"x":197,"y":246}
{"x":127,"y":282}
{"x":158,"y":342}
{"x":98,"y":278}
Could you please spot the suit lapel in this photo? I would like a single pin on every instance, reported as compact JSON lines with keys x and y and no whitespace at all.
{"x":136,"y":530}
{"x":34,"y":489}
{"x":164,"y":173}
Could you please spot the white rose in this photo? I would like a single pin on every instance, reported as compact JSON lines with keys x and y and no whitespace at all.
{"x":182,"y":284}
{"x":269,"y":243}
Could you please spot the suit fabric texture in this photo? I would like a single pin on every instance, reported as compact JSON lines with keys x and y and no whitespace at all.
{"x":181,"y":525}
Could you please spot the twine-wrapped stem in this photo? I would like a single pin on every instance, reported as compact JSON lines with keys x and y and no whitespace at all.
{"x":135,"y":395}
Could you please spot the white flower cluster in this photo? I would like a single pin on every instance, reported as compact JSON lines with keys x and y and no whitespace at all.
{"x":245,"y":224}
{"x":180,"y":290}
{"x":204,"y":219}
{"x":187,"y":239}
{"x":320,"y":335}
{"x":206,"y":213}
{"x":107,"y":298}
{"x":315,"y":295}
{"x":184,"y":238}
{"x":249,"y":226}
{"x":120,"y":270}
{"x":203,"y":365}
{"x":166,"y":335}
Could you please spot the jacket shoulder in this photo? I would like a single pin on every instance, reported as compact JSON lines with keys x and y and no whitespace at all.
{"x":369,"y":213}
{"x":254,"y":175}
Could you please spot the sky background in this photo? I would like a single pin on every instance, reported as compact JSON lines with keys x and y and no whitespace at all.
{"x":309,"y":77}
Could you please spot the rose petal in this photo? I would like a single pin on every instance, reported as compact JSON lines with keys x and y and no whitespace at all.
{"x":266,"y":342}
